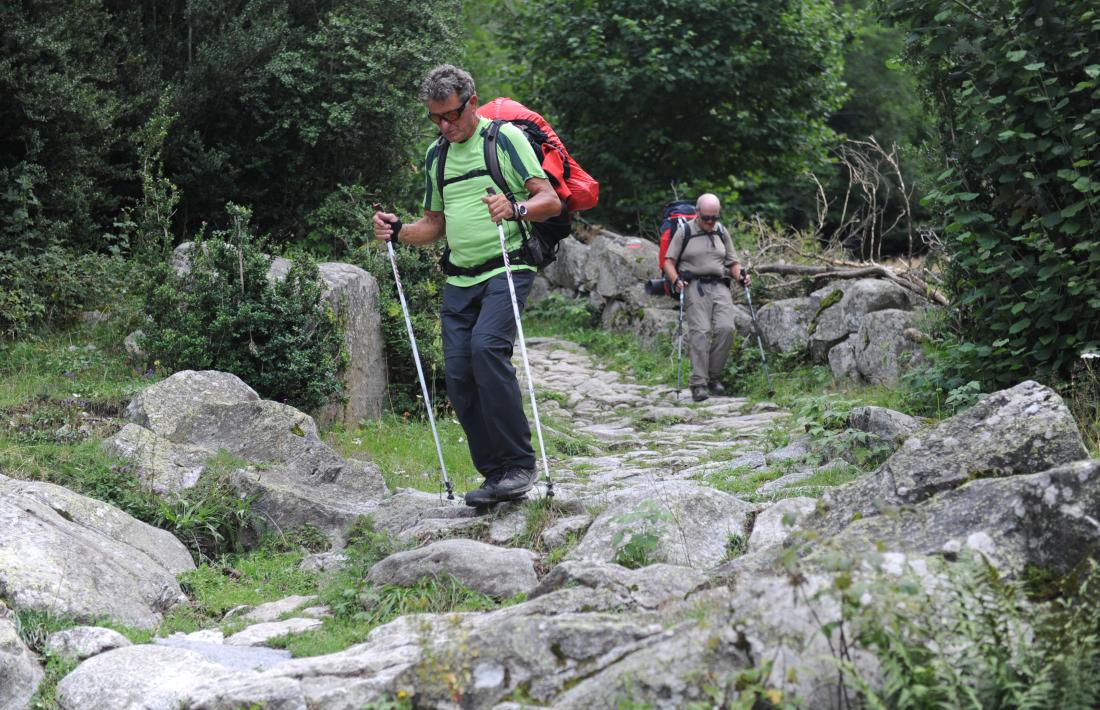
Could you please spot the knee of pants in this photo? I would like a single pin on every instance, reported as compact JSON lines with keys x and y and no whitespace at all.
{"x":723,"y":331}
{"x":484,"y":345}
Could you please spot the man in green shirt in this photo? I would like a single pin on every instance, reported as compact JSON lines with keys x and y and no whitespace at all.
{"x":700,"y":261}
{"x":478,"y":324}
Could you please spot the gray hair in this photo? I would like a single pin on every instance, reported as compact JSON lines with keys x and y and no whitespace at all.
{"x":445,"y":80}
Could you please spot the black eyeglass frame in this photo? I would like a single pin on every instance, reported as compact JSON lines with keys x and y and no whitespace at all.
{"x":449,"y":116}
{"x":708,"y":218}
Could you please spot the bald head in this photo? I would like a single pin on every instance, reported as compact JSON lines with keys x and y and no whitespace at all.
{"x":708,"y":203}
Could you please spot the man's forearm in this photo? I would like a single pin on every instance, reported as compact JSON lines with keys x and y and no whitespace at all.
{"x":425,"y":230}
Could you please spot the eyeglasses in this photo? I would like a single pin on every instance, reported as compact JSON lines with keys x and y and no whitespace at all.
{"x":449,"y":116}
{"x":708,"y":218}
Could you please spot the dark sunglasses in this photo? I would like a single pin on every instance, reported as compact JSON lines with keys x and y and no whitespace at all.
{"x":449,"y":116}
{"x":708,"y":218}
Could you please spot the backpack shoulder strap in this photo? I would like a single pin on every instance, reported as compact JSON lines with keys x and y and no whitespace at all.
{"x":440,"y":164}
{"x":682,"y":222}
{"x":492,"y":157}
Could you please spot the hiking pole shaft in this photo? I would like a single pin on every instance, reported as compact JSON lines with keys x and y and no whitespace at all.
{"x":523,"y":353}
{"x":419,"y":368}
{"x":759,"y":343}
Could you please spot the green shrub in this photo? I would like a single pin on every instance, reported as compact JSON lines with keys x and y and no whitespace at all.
{"x":225,"y":314}
{"x":1015,"y":88}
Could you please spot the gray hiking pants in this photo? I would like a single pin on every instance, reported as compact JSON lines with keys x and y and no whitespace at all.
{"x":708,"y":318}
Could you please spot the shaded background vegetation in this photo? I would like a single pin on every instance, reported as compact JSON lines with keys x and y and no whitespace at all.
{"x":126,"y":128}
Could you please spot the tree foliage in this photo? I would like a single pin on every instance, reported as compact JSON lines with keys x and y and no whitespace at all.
{"x":1015,"y":87}
{"x":725,"y":94}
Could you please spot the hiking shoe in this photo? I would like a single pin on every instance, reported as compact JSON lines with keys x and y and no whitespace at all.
{"x":515,"y":483}
{"x":716,"y":388}
{"x":483,"y":495}
{"x":699,"y":393}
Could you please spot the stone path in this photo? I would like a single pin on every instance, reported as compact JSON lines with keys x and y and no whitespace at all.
{"x":644,"y":433}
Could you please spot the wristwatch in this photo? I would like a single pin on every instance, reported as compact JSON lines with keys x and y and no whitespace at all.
{"x":519,"y":211}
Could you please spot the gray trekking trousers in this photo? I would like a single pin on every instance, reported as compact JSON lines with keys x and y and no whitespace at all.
{"x":708,"y":317}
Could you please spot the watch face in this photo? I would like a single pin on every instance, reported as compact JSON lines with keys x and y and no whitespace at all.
{"x":522,"y":210}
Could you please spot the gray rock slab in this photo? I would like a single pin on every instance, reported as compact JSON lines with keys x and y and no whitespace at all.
{"x":692,"y":524}
{"x":795,"y":451}
{"x":558,"y":533}
{"x":82,"y":642}
{"x":1047,"y":520}
{"x":260,"y":634}
{"x":1021,"y":430}
{"x":272,"y":611}
{"x":508,"y":523}
{"x":647,"y":588}
{"x":797,"y":476}
{"x":247,"y":691}
{"x":890,"y":426}
{"x":69,"y":555}
{"x":164,"y":406}
{"x":496,"y":571}
{"x":663,"y":673}
{"x":162,"y":465}
{"x":774,"y":524}
{"x":150,"y":677}
{"x":232,"y":657}
{"x":20,"y":673}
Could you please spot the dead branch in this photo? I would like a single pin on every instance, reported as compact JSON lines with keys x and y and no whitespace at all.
{"x":906,"y":280}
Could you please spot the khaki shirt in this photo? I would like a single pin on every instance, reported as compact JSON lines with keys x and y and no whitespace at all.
{"x":707,"y":253}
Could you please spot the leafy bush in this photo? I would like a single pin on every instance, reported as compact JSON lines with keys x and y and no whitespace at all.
{"x":225,"y":314}
{"x":976,"y":641}
{"x":1015,"y":88}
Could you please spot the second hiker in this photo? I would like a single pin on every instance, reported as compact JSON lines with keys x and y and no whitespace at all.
{"x":700,"y":262}
{"x":478,"y":325}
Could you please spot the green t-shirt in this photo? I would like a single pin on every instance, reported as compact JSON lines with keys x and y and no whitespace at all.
{"x":473,"y":237}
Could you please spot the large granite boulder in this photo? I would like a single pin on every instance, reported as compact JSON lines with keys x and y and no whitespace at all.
{"x":20,"y":673}
{"x":678,"y":522}
{"x":293,"y":476}
{"x":785,"y":324}
{"x":353,"y":294}
{"x":568,"y":271}
{"x":496,"y":571}
{"x":881,"y":347}
{"x":1044,"y":520}
{"x":843,"y":306}
{"x":1021,"y":430}
{"x":69,"y":555}
{"x":618,"y":266}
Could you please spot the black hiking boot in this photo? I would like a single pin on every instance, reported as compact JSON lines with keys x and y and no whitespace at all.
{"x":515,"y":483}
{"x":699,"y":393}
{"x":716,"y":388}
{"x":483,"y":495}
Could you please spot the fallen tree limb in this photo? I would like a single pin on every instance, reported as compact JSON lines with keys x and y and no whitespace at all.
{"x":905,"y":280}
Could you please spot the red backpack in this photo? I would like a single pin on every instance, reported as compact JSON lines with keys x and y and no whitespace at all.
{"x":579,"y":190}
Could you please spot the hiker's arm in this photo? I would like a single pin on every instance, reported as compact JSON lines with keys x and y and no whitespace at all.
{"x":427,"y":229}
{"x":733,"y":265}
{"x":542,"y":202}
{"x":670,"y":272}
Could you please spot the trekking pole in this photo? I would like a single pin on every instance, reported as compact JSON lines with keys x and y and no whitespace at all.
{"x":416,"y":355}
{"x":679,"y":342}
{"x":523,"y":353}
{"x":759,"y":343}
